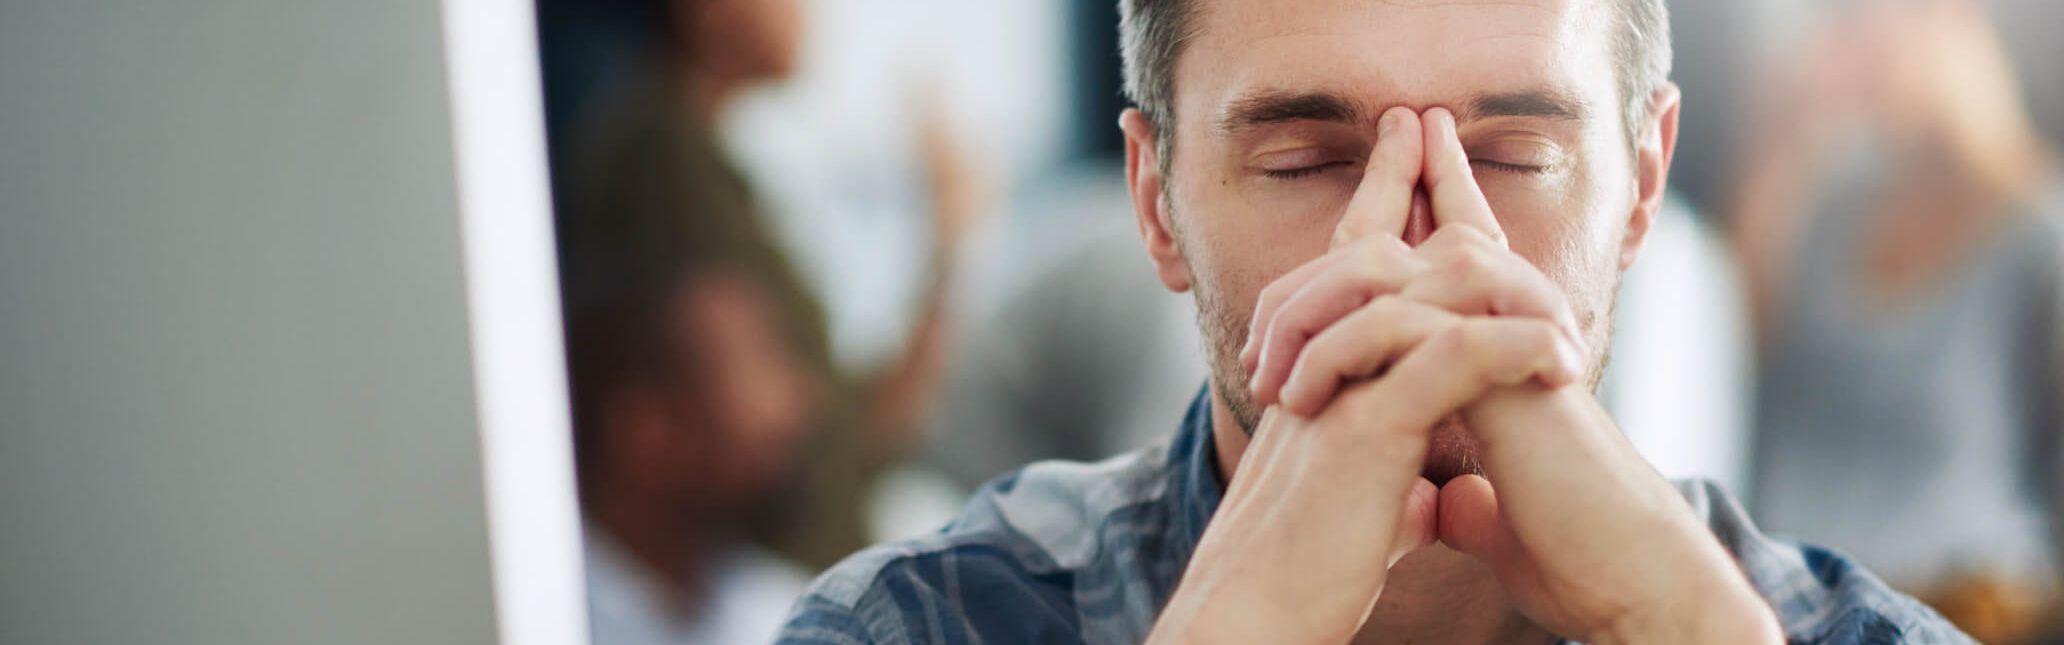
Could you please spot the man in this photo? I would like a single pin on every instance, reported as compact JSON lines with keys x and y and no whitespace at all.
{"x":688,"y":408}
{"x":646,"y":177}
{"x":1404,"y":223}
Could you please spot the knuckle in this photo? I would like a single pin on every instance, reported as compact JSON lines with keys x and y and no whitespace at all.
{"x":1456,"y":341}
{"x":1271,"y":294}
{"x":1457,"y":237}
{"x":1522,"y":348}
{"x":1474,"y":236}
{"x":1386,"y":309}
{"x":1394,"y":247}
{"x":1286,"y":332}
{"x":1480,"y":339}
{"x":1317,"y":352}
{"x":1481,"y":343}
{"x":1362,"y":272}
{"x":1371,"y":280}
{"x":1542,"y":343}
{"x":1466,"y":261}
{"x":1540,"y":337}
{"x":1270,"y":299}
{"x":1379,"y":248}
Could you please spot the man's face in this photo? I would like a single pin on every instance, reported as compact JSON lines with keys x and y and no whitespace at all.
{"x":759,"y":39}
{"x":722,"y":434}
{"x":1277,"y":109}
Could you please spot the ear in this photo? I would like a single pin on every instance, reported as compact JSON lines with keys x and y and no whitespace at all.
{"x":1652,"y":154}
{"x":1143,"y":177}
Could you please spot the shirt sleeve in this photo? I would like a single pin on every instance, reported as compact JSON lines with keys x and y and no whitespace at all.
{"x":2048,"y":387}
{"x":1820,"y":596}
{"x":817,"y":621}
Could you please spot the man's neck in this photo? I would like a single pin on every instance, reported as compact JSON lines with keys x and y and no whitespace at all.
{"x":1433,"y":595}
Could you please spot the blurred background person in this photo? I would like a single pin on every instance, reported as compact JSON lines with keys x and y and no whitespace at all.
{"x":1901,"y":226}
{"x":648,"y":174}
{"x":1083,"y":360}
{"x":689,"y":406}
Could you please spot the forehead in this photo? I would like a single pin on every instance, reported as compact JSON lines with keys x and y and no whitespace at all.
{"x":1417,"y":53}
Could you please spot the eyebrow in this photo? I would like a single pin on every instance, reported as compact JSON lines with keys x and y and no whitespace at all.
{"x":1547,"y":104}
{"x":1268,"y":107}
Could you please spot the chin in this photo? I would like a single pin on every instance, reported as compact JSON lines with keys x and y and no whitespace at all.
{"x":1452,"y":453}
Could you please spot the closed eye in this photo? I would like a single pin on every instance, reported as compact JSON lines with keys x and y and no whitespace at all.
{"x":1501,"y":166}
{"x":1292,"y":174}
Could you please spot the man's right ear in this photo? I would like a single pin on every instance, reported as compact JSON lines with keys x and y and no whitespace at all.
{"x":1143,"y":177}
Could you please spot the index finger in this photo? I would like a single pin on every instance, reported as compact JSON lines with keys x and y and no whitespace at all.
{"x":1457,"y":200}
{"x":1384,"y":197}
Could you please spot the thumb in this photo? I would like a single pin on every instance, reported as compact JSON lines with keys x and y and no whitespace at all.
{"x":1469,"y":522}
{"x":1418,"y":525}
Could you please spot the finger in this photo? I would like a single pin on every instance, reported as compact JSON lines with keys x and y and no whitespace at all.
{"x":1460,"y":363}
{"x":1272,"y":298}
{"x":1516,"y":351}
{"x":1457,"y":200}
{"x":1385,"y":195}
{"x":1372,"y":268}
{"x":1471,"y":275}
{"x":1468,"y":521}
{"x":1419,"y":525}
{"x":1357,"y":348}
{"x":1419,"y":224}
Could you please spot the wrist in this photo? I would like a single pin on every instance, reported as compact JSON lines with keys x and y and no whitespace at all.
{"x":1228,"y":599}
{"x":1220,"y":618}
{"x":1730,"y":612}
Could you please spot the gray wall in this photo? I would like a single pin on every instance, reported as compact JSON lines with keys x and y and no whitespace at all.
{"x":236,"y":403}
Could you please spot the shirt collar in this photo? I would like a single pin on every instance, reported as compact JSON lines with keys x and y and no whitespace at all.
{"x":1194,"y":480}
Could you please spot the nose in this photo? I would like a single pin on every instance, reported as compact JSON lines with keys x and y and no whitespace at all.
{"x":1419,"y":222}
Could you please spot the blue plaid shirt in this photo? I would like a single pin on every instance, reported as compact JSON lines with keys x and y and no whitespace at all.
{"x":1088,"y":553}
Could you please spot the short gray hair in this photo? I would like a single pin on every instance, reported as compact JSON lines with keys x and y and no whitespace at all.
{"x":1152,"y":33}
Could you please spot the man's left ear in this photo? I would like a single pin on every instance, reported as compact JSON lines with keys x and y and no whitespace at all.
{"x":1656,"y":144}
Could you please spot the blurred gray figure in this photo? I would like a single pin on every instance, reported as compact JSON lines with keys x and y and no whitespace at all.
{"x":1910,"y":305}
{"x":1086,"y":356}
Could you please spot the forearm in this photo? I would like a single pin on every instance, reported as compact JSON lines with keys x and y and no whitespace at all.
{"x":906,"y":388}
{"x":1217,"y":615}
{"x":1721,"y":608}
{"x":1270,"y":576}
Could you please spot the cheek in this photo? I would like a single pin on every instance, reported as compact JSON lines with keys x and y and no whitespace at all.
{"x":1565,"y":230}
{"x":1237,"y":238}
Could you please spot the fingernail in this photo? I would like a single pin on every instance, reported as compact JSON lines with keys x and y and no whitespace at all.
{"x":1387,"y":123}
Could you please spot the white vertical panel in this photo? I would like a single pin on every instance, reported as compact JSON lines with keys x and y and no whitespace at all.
{"x":519,"y":372}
